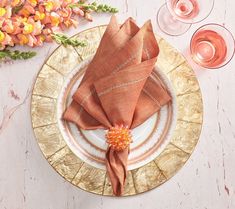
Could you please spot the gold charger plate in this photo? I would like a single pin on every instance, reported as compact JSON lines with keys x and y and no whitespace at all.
{"x":44,"y":119}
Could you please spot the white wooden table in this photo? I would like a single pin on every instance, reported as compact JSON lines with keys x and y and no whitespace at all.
{"x":207,"y":181}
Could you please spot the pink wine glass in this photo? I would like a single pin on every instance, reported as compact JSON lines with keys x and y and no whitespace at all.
{"x":212,"y":46}
{"x":176,"y":16}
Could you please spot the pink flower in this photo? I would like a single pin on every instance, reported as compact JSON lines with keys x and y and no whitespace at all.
{"x":37,"y":28}
{"x":32,"y":40}
{"x":78,"y":11}
{"x":8,"y":26}
{"x":88,"y":16}
{"x":65,"y":12}
{"x":39,"y":40}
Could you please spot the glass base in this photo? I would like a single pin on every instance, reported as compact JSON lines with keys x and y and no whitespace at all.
{"x":169,"y":24}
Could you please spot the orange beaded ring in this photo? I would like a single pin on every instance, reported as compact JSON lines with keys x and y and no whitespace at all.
{"x":119,"y":137}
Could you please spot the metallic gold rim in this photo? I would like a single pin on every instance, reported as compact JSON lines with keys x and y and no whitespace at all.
{"x":183,"y":141}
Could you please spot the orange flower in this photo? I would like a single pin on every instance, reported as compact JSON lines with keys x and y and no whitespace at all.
{"x":15,"y":3}
{"x":3,"y":3}
{"x":33,"y":2}
{"x":23,"y":39}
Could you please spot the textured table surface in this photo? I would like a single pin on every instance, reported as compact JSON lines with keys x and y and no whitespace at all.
{"x":207,"y":181}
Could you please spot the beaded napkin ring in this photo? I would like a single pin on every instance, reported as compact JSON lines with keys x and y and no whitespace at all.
{"x":119,"y":137}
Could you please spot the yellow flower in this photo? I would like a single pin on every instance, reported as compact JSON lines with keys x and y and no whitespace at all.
{"x":3,"y":11}
{"x":39,"y":15}
{"x":28,"y":28}
{"x":49,"y":6}
{"x":2,"y":36}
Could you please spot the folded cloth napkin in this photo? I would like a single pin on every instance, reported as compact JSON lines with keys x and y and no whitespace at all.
{"x":118,"y":91}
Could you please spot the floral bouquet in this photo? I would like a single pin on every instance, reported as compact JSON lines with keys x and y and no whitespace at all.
{"x":33,"y":22}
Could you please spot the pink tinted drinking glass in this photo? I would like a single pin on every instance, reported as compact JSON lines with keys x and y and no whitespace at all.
{"x":176,"y":16}
{"x":212,"y":46}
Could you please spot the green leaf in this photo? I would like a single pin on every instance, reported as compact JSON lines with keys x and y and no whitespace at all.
{"x":94,"y":7}
{"x":74,"y":5}
{"x":64,"y":40}
{"x":16,"y":54}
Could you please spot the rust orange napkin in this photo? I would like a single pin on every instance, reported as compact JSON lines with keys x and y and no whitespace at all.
{"x":118,"y":91}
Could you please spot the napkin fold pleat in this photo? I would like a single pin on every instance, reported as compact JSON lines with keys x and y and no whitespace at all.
{"x":119,"y":88}
{"x":116,"y":163}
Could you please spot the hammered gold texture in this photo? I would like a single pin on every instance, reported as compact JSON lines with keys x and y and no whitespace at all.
{"x":43,"y":111}
{"x":147,"y":177}
{"x":59,"y":154}
{"x":49,"y":139}
{"x":92,"y":37}
{"x":171,"y":160}
{"x":129,"y":185}
{"x":107,"y":187}
{"x":48,"y":82}
{"x":90,"y":179}
{"x":186,"y":135}
{"x":184,"y":80}
{"x":45,"y":124}
{"x":64,"y":59}
{"x":67,"y":165}
{"x":190,"y":107}
{"x":168,"y":58}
